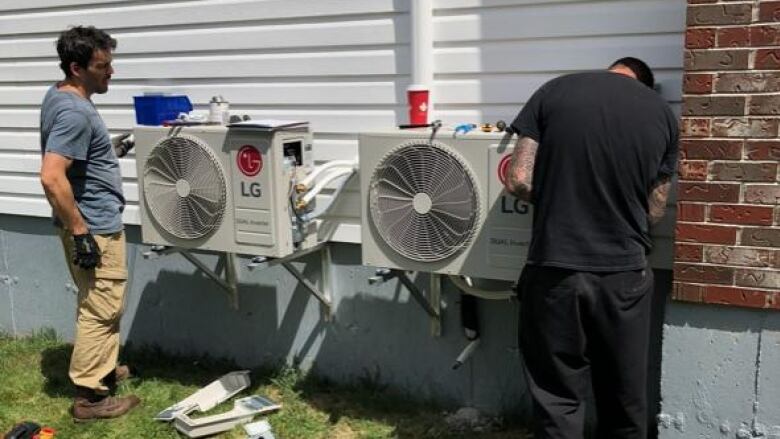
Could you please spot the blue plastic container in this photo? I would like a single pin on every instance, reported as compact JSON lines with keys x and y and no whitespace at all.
{"x":154,"y":109}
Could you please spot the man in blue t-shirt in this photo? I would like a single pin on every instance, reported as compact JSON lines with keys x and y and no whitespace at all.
{"x":595,"y":157}
{"x":80,"y":176}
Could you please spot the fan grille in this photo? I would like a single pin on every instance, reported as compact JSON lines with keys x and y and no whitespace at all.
{"x":424,"y":201}
{"x":184,"y":187}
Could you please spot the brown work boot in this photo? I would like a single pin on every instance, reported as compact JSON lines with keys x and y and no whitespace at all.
{"x":109,"y":407}
{"x":122,"y":373}
{"x":116,"y":376}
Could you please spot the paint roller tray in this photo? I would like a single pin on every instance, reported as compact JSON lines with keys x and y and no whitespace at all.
{"x":208,"y":397}
{"x":244,"y":409}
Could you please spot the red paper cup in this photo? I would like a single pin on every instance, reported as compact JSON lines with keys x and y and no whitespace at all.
{"x":417,"y":99}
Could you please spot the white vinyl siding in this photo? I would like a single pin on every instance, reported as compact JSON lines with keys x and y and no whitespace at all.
{"x":491,"y":55}
{"x":343,"y":65}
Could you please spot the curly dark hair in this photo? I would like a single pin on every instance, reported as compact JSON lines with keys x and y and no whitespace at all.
{"x":78,"y":43}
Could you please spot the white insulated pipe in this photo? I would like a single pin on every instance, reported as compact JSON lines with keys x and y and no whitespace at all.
{"x":422,"y":48}
{"x":466,"y":285}
{"x":322,"y":210}
{"x":307,"y":181}
{"x":324,"y":182}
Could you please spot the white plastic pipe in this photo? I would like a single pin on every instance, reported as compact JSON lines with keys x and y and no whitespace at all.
{"x":465,"y":286}
{"x":466,"y":353}
{"x":322,"y":210}
{"x":324,"y":182}
{"x":422,"y":48}
{"x":325,"y":166}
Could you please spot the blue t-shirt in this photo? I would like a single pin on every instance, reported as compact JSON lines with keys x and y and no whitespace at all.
{"x":72,"y":128}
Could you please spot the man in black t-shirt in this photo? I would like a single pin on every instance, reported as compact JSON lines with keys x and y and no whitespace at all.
{"x":595,"y":157}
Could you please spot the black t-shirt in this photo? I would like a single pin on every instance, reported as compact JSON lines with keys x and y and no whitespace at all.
{"x":604,"y":140}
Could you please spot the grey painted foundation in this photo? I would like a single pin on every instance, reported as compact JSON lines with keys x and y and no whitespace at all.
{"x":721,"y":368}
{"x":378,"y":331}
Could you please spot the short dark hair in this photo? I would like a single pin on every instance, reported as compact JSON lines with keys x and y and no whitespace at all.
{"x":78,"y":43}
{"x":640,"y":69}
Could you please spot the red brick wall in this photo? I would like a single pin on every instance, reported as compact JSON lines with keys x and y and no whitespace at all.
{"x":728,"y":213}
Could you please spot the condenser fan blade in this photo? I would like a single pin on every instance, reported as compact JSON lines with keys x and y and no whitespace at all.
{"x":424,"y":201}
{"x":185,"y":187}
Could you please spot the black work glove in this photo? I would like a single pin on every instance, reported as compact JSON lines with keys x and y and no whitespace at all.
{"x":123,"y":143}
{"x":24,"y":430}
{"x":86,"y":253}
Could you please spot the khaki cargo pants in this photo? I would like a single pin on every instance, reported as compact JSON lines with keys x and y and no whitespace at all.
{"x":101,"y":299}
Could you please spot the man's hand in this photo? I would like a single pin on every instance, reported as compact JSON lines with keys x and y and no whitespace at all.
{"x":123,"y":143}
{"x":86,"y":253}
{"x":657,"y":200}
{"x":520,"y":175}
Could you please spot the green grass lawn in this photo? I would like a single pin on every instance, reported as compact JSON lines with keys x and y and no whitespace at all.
{"x":34,"y":386}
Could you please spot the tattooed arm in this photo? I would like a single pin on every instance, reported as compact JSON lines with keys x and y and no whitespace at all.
{"x":657,"y":200}
{"x":521,"y":169}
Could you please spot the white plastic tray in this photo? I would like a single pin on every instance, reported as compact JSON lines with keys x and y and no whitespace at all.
{"x":208,"y":397}
{"x":244,"y":410}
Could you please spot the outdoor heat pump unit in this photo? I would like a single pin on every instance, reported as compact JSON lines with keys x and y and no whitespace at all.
{"x":225,"y":189}
{"x":437,"y":204}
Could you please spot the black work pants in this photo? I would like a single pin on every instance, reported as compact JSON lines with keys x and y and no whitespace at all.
{"x":581,"y":330}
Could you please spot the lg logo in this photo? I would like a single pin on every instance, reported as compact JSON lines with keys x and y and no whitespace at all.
{"x":503,"y":168}
{"x":250,"y":163}
{"x":249,"y":160}
{"x":251,"y":190}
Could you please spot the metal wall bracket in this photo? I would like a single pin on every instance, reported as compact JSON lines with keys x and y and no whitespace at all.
{"x":263,"y":262}
{"x":230,"y":281}
{"x":322,"y":293}
{"x":431,"y":304}
{"x":228,"y":261}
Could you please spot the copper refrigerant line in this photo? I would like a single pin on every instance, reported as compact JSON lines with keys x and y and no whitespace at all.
{"x":463,"y":128}
{"x":499,"y":126}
